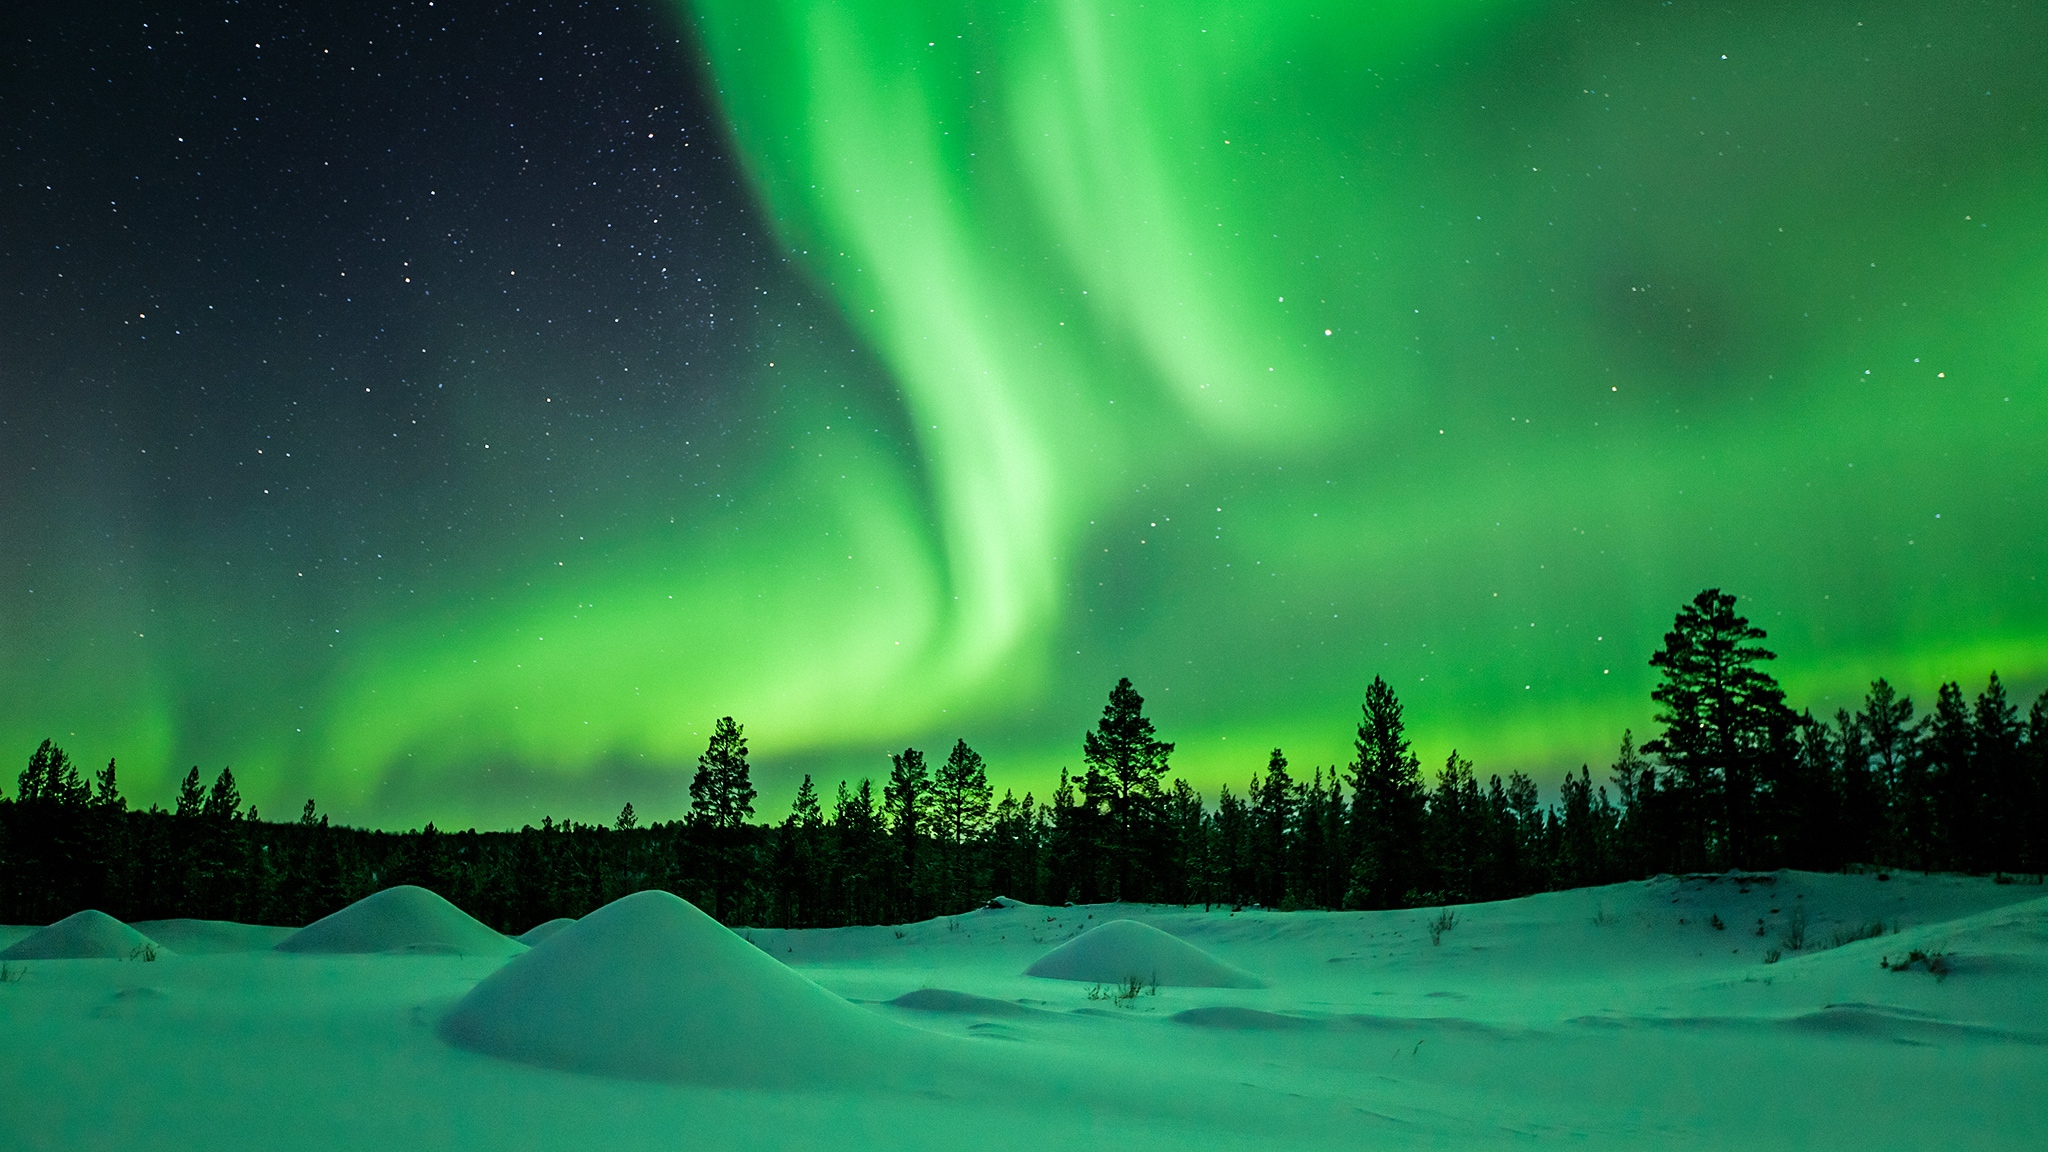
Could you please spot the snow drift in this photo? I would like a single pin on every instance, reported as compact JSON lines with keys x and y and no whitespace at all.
{"x":649,"y":988}
{"x":87,"y":935}
{"x":1124,"y":950}
{"x":402,"y":919}
{"x":212,"y":937}
{"x":543,"y":930}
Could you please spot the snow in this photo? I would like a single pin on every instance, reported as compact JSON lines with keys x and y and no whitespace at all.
{"x":1616,"y":1017}
{"x":543,"y":930}
{"x":207,"y":937}
{"x":87,"y":935}
{"x":1125,"y":950}
{"x":651,"y":988}
{"x":405,"y":918}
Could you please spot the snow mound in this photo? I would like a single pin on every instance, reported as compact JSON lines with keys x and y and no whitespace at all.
{"x":402,"y":919}
{"x":87,"y":935}
{"x":957,"y":1003}
{"x":649,"y":988}
{"x":1123,"y":950}
{"x":543,"y":930}
{"x":211,"y":937}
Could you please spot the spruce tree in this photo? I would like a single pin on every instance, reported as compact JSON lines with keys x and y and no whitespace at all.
{"x":906,"y":799}
{"x":1952,"y":784}
{"x":960,"y":813}
{"x":1455,"y":813}
{"x":1892,"y":738}
{"x":628,"y":819}
{"x":856,"y":829}
{"x":1998,"y":751}
{"x":224,"y":802}
{"x":2035,"y":788}
{"x":108,"y":796}
{"x":1126,"y":762}
{"x":1387,"y":806}
{"x":1273,"y":799}
{"x":191,"y":795}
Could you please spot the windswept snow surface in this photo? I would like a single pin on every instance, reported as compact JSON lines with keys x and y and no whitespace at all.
{"x":1617,"y":1017}
{"x":1125,"y":950}
{"x":87,"y":935}
{"x":406,"y":918}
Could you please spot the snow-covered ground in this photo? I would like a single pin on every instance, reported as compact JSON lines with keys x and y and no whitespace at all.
{"x":1614,"y":1017}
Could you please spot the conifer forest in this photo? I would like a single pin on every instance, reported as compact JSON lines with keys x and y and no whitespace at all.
{"x":1732,"y":777}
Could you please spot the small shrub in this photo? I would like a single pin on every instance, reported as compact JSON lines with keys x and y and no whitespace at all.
{"x":143,"y":952}
{"x":1772,"y":956}
{"x":1444,"y":922}
{"x":1794,"y":937}
{"x":1933,"y":963}
{"x":1602,"y":917}
{"x":1715,"y":923}
{"x":899,"y":933}
{"x":1851,"y":933}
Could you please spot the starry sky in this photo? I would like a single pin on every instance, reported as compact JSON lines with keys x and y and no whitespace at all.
{"x":445,"y":411}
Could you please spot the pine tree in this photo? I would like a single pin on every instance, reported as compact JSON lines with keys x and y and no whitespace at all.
{"x":1126,"y":763}
{"x":629,"y":820}
{"x":1387,"y":806}
{"x":906,"y":799}
{"x":1273,"y":800}
{"x":1860,"y":795}
{"x":2035,"y":788}
{"x":108,"y":796}
{"x":722,"y":792}
{"x":960,"y":813}
{"x":1951,"y":772}
{"x":1016,"y":865}
{"x":191,"y":795}
{"x":1892,"y":739}
{"x":1455,"y":815}
{"x":1999,"y":753}
{"x":224,"y":802}
{"x":1182,"y":864}
{"x":721,"y":803}
{"x":857,"y":830}
{"x":1233,"y":848}
{"x":800,"y":860}
{"x":52,"y":778}
{"x":1725,"y":728}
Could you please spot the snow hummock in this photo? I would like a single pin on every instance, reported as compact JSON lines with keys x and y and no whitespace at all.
{"x":87,"y":935}
{"x":650,"y":988}
{"x":406,"y":918}
{"x":1124,"y":950}
{"x":543,"y":930}
{"x":212,"y":937}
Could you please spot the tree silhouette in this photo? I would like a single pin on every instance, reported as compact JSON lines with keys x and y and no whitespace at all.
{"x":1725,"y":728}
{"x":1126,"y":761}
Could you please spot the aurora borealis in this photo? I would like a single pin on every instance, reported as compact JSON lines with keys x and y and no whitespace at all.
{"x":448,"y":413}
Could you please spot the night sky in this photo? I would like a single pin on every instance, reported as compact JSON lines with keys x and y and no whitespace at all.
{"x":447,"y":410}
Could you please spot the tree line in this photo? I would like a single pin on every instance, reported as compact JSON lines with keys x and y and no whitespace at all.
{"x":1733,"y":777}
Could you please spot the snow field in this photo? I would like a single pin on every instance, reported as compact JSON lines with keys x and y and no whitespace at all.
{"x":1617,"y":1017}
